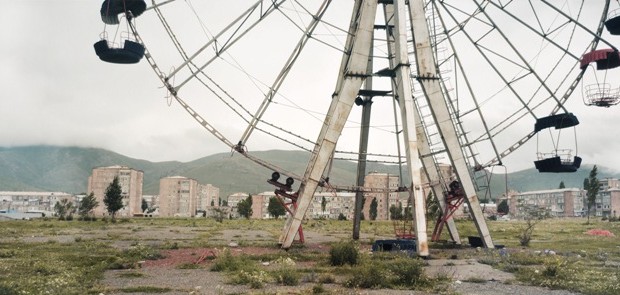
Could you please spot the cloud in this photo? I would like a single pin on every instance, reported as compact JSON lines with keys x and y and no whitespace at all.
{"x":56,"y":91}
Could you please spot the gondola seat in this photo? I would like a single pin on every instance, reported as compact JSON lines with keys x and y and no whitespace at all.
{"x":555,"y":165}
{"x":131,"y":53}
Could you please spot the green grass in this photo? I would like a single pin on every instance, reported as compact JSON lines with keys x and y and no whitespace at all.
{"x":40,"y":255}
{"x":579,"y":263}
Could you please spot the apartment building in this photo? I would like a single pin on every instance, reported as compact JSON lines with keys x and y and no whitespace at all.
{"x":233,"y":200}
{"x":336,"y":203}
{"x":382,"y":181}
{"x":260,"y":205}
{"x":565,"y":202}
{"x":178,"y":196}
{"x":607,"y":202}
{"x":130,"y":181}
{"x":208,"y":197}
{"x":23,"y":202}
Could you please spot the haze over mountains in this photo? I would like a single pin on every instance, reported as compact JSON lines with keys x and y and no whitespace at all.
{"x":66,"y":169}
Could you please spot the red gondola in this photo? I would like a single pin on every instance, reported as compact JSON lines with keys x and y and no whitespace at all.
{"x":600,"y":93}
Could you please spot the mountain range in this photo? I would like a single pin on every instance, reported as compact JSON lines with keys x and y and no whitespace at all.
{"x":66,"y":169}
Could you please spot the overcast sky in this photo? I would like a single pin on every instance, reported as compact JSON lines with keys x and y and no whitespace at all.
{"x":56,"y":91}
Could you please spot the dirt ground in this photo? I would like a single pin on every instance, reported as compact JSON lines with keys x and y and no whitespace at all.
{"x":467,"y":276}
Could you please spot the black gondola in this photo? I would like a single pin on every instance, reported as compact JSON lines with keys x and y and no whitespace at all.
{"x":556,"y":165}
{"x":110,"y":9}
{"x":553,"y":162}
{"x":613,"y":22}
{"x":131,"y":52}
{"x":558,"y":121}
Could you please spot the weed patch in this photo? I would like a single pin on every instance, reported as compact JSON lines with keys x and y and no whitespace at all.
{"x":402,"y":272}
{"x":343,"y":253}
{"x":145,"y":289}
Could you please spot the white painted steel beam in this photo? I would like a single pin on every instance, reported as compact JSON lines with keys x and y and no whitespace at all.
{"x":350,"y":79}
{"x":428,"y":164}
{"x":407,"y":109}
{"x":429,"y":79}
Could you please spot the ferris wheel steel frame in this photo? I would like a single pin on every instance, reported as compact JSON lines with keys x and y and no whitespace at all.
{"x":355,"y":69}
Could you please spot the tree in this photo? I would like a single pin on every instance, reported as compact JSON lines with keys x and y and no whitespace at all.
{"x":503,"y":207}
{"x":275,"y":208}
{"x":396,"y":213}
{"x":244,"y":207}
{"x":113,"y":198}
{"x":433,"y":211}
{"x":87,"y":205}
{"x":219,"y":214}
{"x":562,"y":185}
{"x":323,"y":204}
{"x":532,"y":215}
{"x":145,"y":205}
{"x":63,"y":209}
{"x":408,"y":215}
{"x":373,"y":209}
{"x":591,"y":185}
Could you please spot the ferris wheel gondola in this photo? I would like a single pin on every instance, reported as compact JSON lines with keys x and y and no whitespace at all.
{"x":559,"y":160}
{"x":613,"y":22}
{"x":111,"y":51}
{"x":601,"y":93}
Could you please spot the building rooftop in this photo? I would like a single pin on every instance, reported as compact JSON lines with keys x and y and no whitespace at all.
{"x":573,"y":189}
{"x":15,"y":193}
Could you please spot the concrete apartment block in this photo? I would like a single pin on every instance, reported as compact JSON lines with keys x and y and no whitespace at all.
{"x":384,"y":199}
{"x":129,"y":179}
{"x":178,"y":196}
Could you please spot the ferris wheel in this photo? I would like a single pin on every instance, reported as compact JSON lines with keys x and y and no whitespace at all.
{"x":460,"y":82}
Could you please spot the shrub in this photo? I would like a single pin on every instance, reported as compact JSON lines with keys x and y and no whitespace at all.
{"x":188,"y":266}
{"x":130,"y":274}
{"x":141,"y":252}
{"x":7,"y":253}
{"x":343,"y":253}
{"x":286,"y":276}
{"x":398,"y":272}
{"x":227,"y":262}
{"x":170,"y":246}
{"x":407,"y":272}
{"x":318,"y":289}
{"x":145,"y":289}
{"x":255,"y":279}
{"x":368,"y":276}
{"x":327,"y":279}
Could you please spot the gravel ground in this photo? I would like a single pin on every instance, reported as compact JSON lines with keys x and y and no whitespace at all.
{"x":164,"y":273}
{"x":201,"y":281}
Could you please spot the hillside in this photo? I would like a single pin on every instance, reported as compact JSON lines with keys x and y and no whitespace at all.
{"x":53,"y":168}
